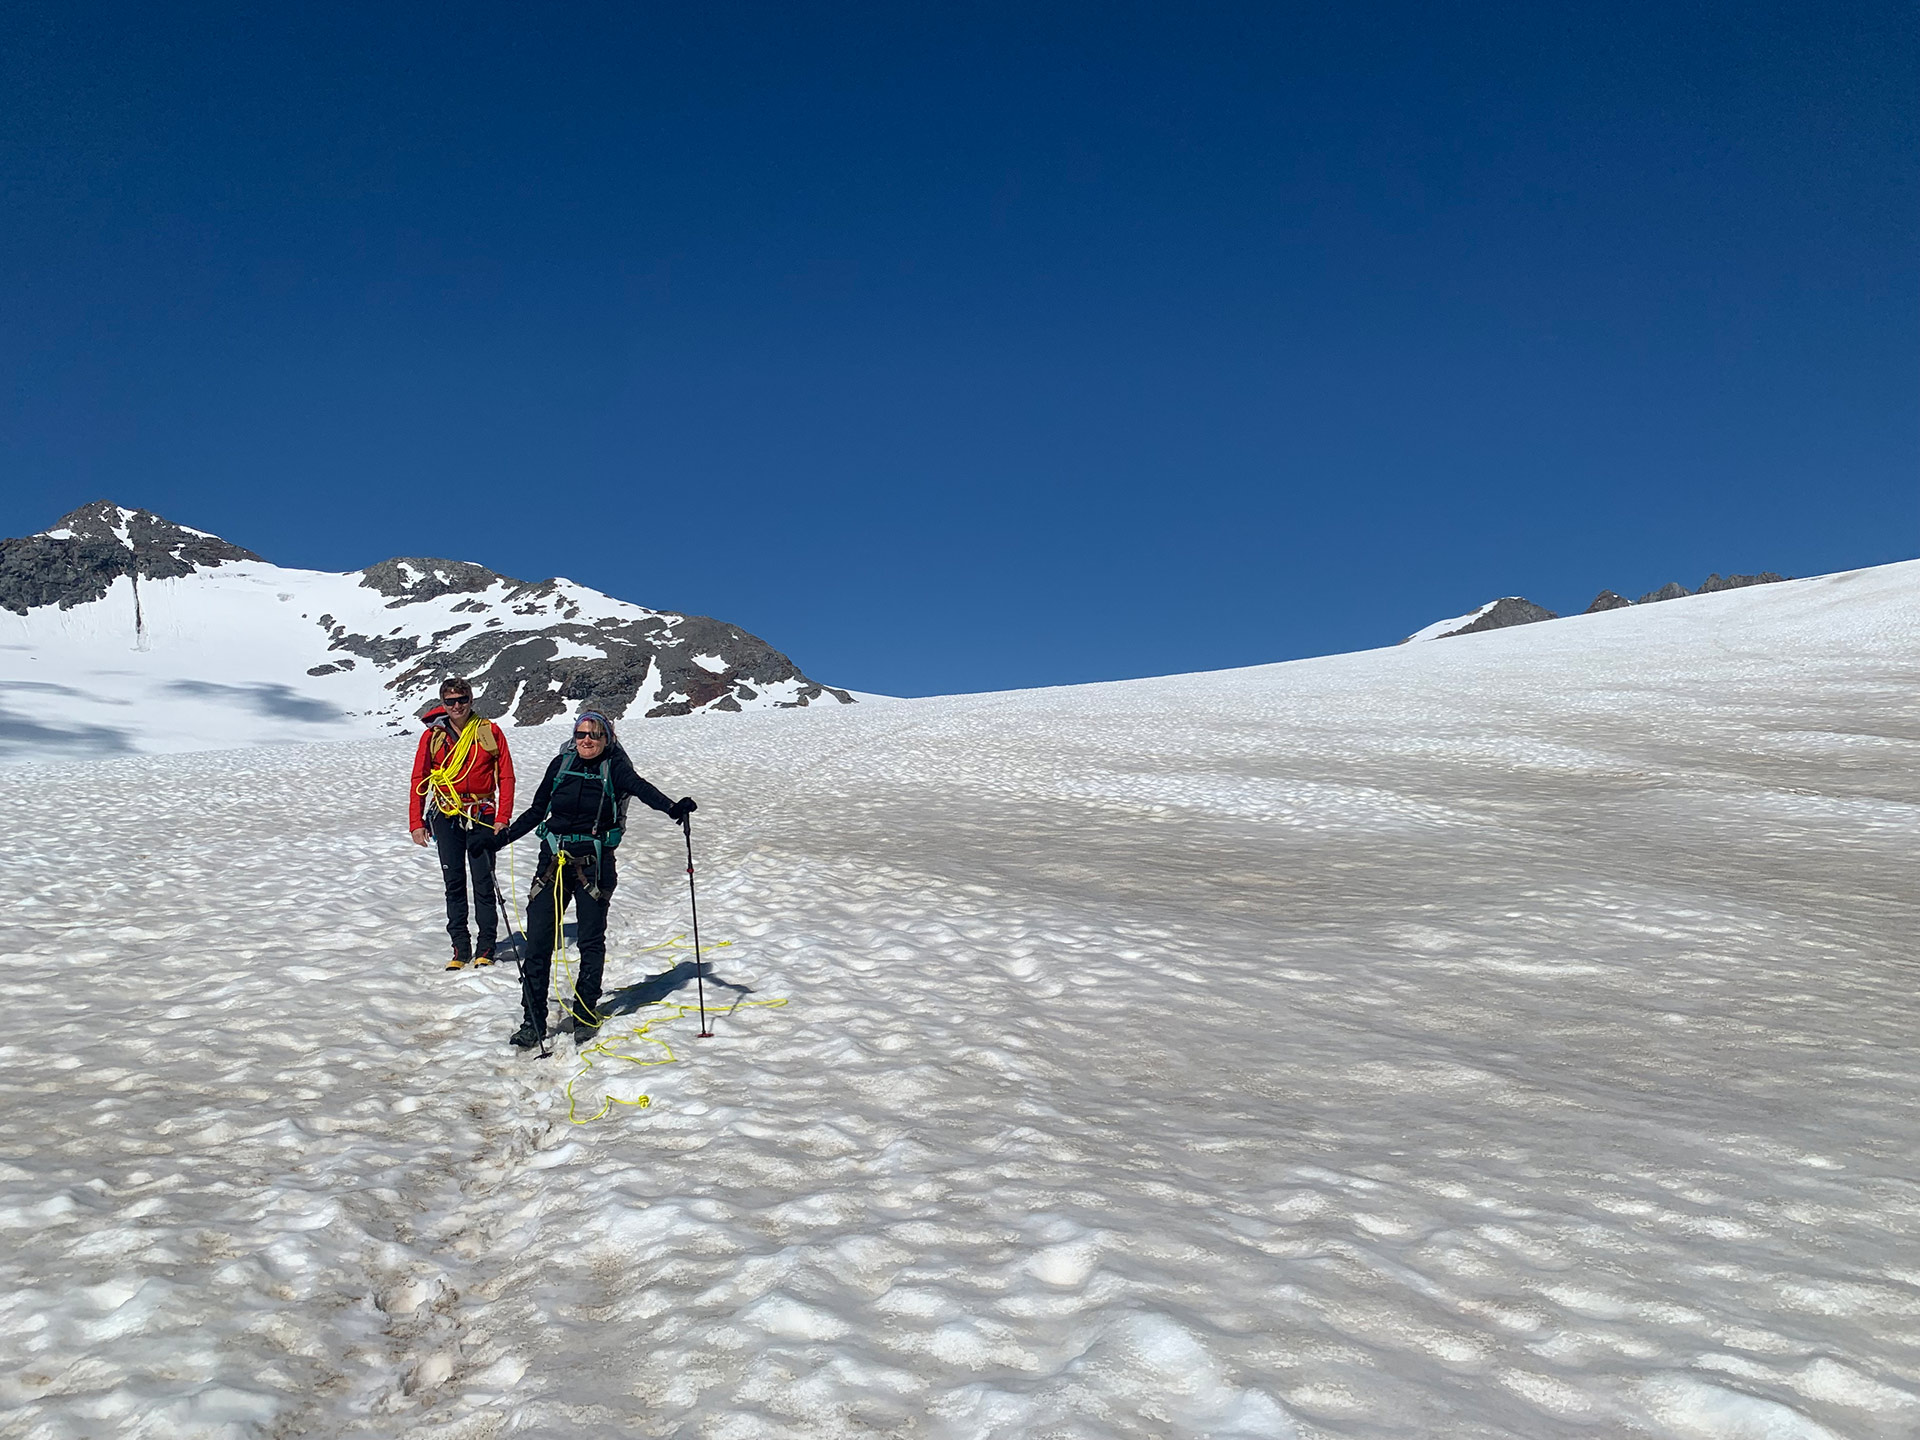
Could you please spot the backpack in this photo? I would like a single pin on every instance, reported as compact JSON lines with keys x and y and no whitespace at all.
{"x":485,"y":735}
{"x":602,"y":840}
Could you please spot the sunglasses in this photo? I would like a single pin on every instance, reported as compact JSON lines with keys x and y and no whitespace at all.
{"x":458,"y":702}
{"x":588,"y":735}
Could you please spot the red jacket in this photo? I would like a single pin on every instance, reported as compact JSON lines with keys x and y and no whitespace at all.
{"x":485,"y":772}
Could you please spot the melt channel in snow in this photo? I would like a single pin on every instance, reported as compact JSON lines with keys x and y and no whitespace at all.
{"x":1511,"y":1036}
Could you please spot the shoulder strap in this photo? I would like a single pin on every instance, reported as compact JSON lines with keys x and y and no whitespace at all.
{"x":489,"y":738}
{"x":610,"y":832}
{"x":606,"y":793}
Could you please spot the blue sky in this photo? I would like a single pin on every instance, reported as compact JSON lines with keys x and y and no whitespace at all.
{"x":970,"y":346}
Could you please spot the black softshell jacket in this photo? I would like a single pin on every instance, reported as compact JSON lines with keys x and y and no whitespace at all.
{"x":579,"y":804}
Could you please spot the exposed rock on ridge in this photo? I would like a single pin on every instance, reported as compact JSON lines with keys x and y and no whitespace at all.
{"x":77,"y":560}
{"x":692,"y":662}
{"x":1507,"y":610}
{"x":1674,"y":590}
{"x":1512,"y":610}
{"x":533,"y":649}
{"x":1494,"y":615}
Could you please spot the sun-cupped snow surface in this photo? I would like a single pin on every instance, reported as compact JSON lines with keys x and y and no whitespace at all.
{"x":1506,"y":1038}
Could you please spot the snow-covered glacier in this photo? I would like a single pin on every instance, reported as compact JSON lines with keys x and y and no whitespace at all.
{"x":1505,"y":1038}
{"x":122,"y":632}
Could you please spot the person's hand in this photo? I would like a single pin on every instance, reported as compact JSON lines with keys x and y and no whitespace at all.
{"x":482,"y":841}
{"x":680,"y":809}
{"x":420,"y":835}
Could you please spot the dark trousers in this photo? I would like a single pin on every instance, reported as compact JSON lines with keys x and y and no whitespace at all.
{"x":590,"y":930}
{"x":450,"y":839}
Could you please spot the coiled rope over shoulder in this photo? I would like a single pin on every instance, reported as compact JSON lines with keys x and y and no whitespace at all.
{"x":440,"y":788}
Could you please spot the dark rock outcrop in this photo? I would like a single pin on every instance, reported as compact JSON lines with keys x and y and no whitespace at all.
{"x":526,"y":674}
{"x":1672,"y":590}
{"x":77,"y":560}
{"x":1507,"y":611}
{"x":537,"y":676}
{"x":1512,"y":610}
{"x":1738,"y":582}
{"x":410,"y":580}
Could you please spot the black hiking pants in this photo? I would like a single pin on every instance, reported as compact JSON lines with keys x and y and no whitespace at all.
{"x":590,"y":930}
{"x":450,"y":839}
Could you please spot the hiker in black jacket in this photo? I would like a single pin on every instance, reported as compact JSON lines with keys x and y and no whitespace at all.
{"x":579,"y":810}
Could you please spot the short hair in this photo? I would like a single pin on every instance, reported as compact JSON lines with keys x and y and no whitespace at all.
{"x":458,"y":685}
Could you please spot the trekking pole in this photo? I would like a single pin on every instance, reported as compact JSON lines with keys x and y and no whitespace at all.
{"x":503,"y":905}
{"x":699,"y":979}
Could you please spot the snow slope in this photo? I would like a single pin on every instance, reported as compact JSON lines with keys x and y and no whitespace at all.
{"x":1509,"y":1038}
{"x":227,"y":657}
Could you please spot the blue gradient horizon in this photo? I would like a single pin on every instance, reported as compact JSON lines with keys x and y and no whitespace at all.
{"x":968,"y":348}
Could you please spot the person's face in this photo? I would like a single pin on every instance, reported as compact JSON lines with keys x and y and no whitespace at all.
{"x":458,"y":706}
{"x":588,"y":737}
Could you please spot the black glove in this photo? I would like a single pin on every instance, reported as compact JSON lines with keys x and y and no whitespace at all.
{"x":680,"y":809}
{"x":482,"y":841}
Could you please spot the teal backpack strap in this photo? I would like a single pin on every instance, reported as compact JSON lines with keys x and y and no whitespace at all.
{"x":612,"y":802}
{"x":601,"y":840}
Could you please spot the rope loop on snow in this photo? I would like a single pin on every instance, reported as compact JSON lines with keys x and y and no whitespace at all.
{"x":610,"y":1047}
{"x":620,"y":1047}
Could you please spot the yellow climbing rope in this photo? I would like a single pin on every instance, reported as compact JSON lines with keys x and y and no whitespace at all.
{"x":440,"y":785}
{"x":607,"y":1046}
{"x":613,"y":1047}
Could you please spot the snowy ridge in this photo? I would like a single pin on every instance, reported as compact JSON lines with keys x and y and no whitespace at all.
{"x":1440,"y":629}
{"x":1511,"y":1039}
{"x":123,"y":633}
{"x":1517,"y":610}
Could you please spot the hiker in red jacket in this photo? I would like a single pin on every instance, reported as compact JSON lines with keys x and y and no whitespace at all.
{"x":462,"y":792}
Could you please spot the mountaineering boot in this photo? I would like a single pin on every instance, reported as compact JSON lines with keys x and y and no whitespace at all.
{"x":586,"y":1025}
{"x":485,"y":957}
{"x":526,"y":1037}
{"x":458,"y":962}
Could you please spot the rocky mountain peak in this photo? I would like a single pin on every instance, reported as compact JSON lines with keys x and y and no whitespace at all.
{"x":410,"y":579}
{"x":1494,"y":615}
{"x":77,"y":559}
{"x":574,"y":658}
{"x":1672,"y":590}
{"x":533,"y":649}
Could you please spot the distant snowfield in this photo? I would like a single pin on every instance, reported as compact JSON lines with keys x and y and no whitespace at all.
{"x":235,"y":656}
{"x":1512,"y":1036}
